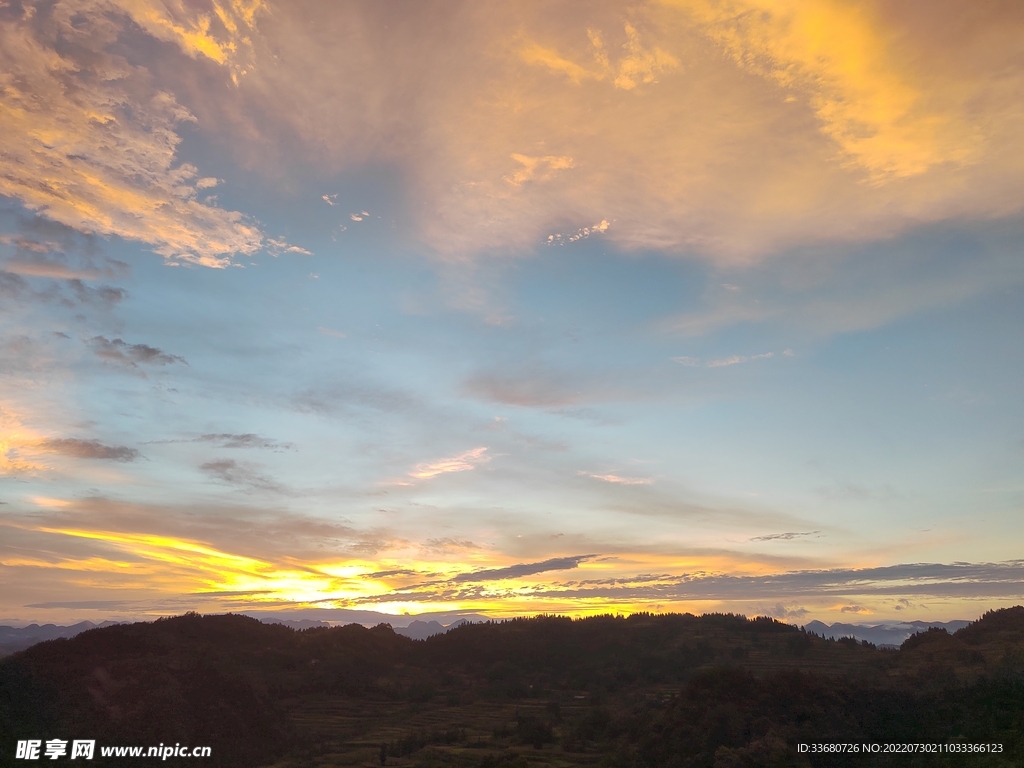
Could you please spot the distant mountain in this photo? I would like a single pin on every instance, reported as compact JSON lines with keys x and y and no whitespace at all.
{"x":889,"y":635}
{"x":341,"y":616}
{"x":13,"y":639}
{"x":421,"y":630}
{"x":416,"y":630}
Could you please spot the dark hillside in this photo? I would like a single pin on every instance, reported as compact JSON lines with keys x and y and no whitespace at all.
{"x":648,"y":690}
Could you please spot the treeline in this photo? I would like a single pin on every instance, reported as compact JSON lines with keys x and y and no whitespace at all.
{"x":647,"y":690}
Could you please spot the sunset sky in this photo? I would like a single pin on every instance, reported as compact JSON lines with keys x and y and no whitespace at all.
{"x":708,"y":305}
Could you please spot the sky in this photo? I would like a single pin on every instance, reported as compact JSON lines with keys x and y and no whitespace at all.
{"x":577,"y":308}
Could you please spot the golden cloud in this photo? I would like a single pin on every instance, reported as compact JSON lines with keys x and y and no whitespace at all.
{"x":842,"y":57}
{"x":89,"y":560}
{"x":90,"y":142}
{"x":728,"y":128}
{"x":638,"y":65}
{"x":221,"y":32}
{"x":17,"y":444}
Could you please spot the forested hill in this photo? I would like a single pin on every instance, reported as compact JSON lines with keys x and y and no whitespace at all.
{"x":648,"y":690}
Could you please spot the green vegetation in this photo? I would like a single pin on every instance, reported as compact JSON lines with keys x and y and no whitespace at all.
{"x":673,"y":690}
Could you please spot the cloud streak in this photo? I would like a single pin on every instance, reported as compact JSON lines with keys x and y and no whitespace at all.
{"x":737,"y":359}
{"x":788,"y":536}
{"x":89,"y":449}
{"x":963,"y":581}
{"x":232,"y":440}
{"x":522,"y":569}
{"x":131,"y":355}
{"x":240,"y":474}
{"x":462,"y":463}
{"x":618,"y":480}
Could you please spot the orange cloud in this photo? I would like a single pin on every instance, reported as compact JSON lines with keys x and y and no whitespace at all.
{"x":727,"y":129}
{"x":220,"y":32}
{"x":17,"y":443}
{"x":461,"y":463}
{"x":843,"y":58}
{"x":90,"y":142}
{"x":532,"y":165}
{"x":638,"y":65}
{"x":545,"y":57}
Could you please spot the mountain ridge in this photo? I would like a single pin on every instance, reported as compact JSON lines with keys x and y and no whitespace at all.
{"x":422,"y":626}
{"x":884,"y":634}
{"x":641,"y":688}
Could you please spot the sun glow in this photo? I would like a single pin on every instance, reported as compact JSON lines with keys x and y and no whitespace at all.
{"x":177,"y":566}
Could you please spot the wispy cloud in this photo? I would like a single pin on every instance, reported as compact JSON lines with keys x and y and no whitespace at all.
{"x":536,"y":168}
{"x":230,"y":440}
{"x":854,"y":609}
{"x":926,"y":579}
{"x":43,"y":267}
{"x":539,"y":386}
{"x":523,"y":569}
{"x":219,"y":30}
{"x":131,"y":355}
{"x":60,"y":264}
{"x":242,"y":474}
{"x":721,"y":362}
{"x":640,"y":64}
{"x":278,"y":245}
{"x":856,"y":588}
{"x":461,"y":463}
{"x":580,"y":234}
{"x":88,"y":449}
{"x":246,"y":440}
{"x":618,"y":480}
{"x":737,"y":359}
{"x":788,"y":536}
{"x":449,"y":545}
